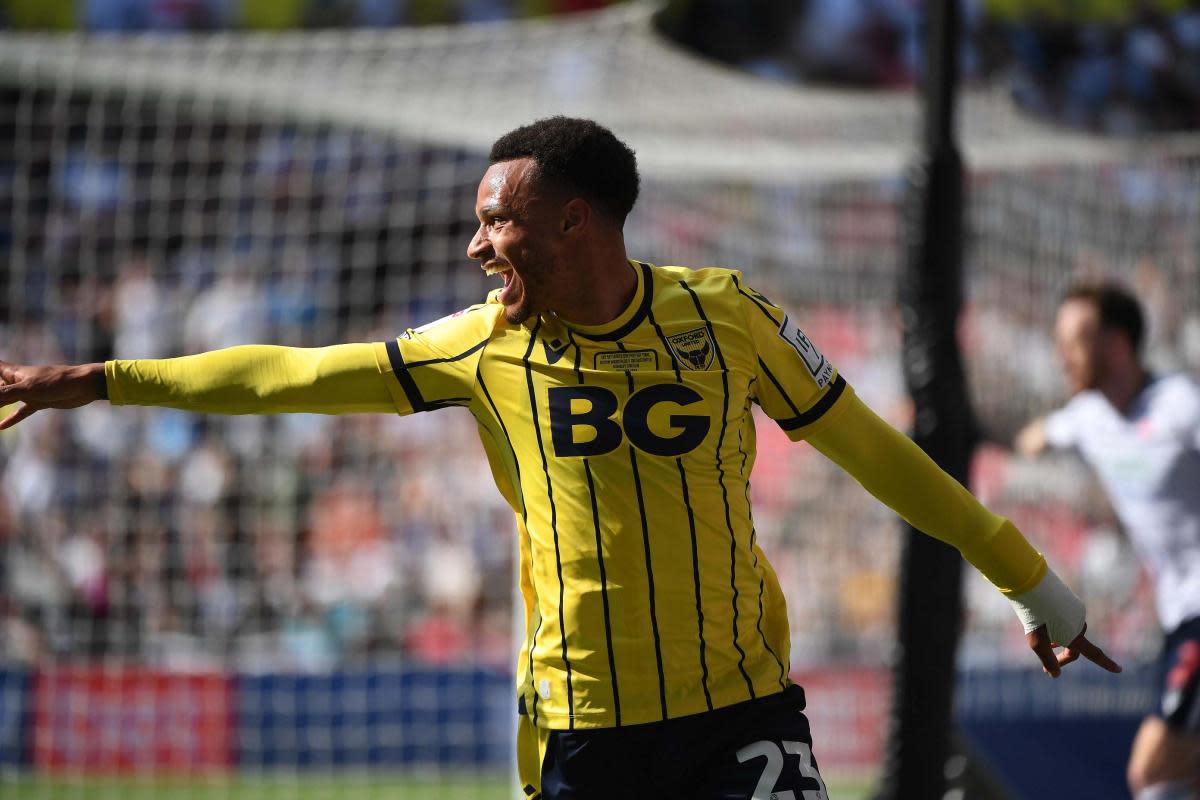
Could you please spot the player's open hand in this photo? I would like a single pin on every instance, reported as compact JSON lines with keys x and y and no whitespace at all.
{"x":1052,"y":663}
{"x":48,"y":387}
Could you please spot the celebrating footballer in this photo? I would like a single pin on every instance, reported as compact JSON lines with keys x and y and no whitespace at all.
{"x":613,"y":398}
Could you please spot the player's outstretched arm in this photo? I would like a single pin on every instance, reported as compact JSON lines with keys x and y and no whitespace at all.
{"x":249,"y":379}
{"x":897,"y":472}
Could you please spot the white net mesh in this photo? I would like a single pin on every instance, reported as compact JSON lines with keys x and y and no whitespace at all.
{"x":168,"y":194}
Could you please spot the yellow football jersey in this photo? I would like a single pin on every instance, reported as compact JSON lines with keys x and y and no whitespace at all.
{"x":625,"y":451}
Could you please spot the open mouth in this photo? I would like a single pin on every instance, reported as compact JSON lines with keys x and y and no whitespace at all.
{"x":505,"y":271}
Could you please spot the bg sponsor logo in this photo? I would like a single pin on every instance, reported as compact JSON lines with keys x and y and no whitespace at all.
{"x":583,"y":420}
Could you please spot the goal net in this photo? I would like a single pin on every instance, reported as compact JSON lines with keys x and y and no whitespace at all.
{"x":301,"y":599}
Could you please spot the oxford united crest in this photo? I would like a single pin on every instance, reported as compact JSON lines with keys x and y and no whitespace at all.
{"x":693,"y":349}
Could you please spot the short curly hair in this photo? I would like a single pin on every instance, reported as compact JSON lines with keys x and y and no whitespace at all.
{"x":1118,"y":308}
{"x":580,"y":154}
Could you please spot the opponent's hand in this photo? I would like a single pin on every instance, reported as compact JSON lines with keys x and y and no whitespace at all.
{"x":1052,"y":663}
{"x":48,"y":387}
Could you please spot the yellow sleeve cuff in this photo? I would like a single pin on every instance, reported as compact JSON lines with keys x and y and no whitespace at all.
{"x":1007,"y":559}
{"x":111,"y":384}
{"x":834,"y":401}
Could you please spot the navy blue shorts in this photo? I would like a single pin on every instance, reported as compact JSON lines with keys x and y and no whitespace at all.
{"x":756,"y":750}
{"x":1179,"y":671}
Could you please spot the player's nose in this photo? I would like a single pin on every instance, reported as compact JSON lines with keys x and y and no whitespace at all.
{"x":479,"y":246}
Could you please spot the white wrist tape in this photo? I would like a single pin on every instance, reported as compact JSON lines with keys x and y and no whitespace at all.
{"x":1052,"y":604}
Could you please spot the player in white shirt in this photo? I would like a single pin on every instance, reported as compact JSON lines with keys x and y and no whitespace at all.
{"x":1140,"y":433}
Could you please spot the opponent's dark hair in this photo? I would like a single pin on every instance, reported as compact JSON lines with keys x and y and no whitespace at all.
{"x":1119,"y":309}
{"x":579,"y":154}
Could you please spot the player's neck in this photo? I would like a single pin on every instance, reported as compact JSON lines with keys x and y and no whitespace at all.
{"x":1122,"y":387}
{"x":601,"y":290}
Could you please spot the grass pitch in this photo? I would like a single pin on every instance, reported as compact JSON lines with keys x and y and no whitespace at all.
{"x":292,"y":786}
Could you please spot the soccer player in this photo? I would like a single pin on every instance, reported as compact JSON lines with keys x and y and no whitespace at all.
{"x":613,"y":399}
{"x":1140,"y":433}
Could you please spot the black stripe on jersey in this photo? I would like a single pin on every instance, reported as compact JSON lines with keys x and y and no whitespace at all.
{"x":449,"y":402}
{"x":819,"y":408}
{"x":537,"y":428}
{"x":753,"y":540}
{"x":724,"y":491}
{"x":778,"y":386}
{"x":628,"y":374}
{"x":448,"y":359}
{"x":638,"y":316}
{"x":687,"y":502}
{"x":666,"y":346}
{"x":662,"y":676}
{"x":507,"y":439}
{"x":637,"y":484}
{"x":757,"y":300}
{"x":587,"y":471}
{"x":400,"y":370}
{"x":612,"y":660}
{"x":578,"y":356}
{"x":503,"y":428}
{"x":524,"y":518}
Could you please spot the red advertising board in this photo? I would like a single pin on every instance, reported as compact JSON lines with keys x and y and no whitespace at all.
{"x":129,"y":719}
{"x":847,"y":711}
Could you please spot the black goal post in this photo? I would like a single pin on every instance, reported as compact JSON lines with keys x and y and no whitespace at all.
{"x":930,"y":601}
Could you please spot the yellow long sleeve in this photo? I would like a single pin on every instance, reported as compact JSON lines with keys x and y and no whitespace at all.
{"x":256,"y":379}
{"x":891,"y":467}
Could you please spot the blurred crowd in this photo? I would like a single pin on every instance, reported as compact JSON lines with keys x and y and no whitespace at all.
{"x":304,"y":541}
{"x":301,"y":541}
{"x":293,"y":542}
{"x":203,"y":15}
{"x":1120,"y":67}
{"x":1133,"y":70}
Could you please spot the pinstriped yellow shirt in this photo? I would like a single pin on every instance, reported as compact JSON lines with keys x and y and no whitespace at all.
{"x":626,"y":452}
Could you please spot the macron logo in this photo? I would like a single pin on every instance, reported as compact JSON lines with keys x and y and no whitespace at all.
{"x":554,"y":350}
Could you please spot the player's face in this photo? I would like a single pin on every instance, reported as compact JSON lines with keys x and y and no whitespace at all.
{"x":517,"y":238}
{"x":1077,"y":333}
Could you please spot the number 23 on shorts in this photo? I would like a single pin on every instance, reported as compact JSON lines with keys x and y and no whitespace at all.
{"x":765,"y":789}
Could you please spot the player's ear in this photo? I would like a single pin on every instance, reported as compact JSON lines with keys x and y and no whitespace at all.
{"x":575,"y":217}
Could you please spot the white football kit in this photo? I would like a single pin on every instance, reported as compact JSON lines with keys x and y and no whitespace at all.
{"x":1148,"y":461}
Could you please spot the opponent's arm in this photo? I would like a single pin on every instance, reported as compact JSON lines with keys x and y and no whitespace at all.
{"x":249,"y":379}
{"x":1031,"y":440}
{"x":897,"y":472}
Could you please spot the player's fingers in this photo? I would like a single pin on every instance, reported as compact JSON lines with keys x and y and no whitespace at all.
{"x":1068,"y":655}
{"x":1039,"y":642}
{"x":1094,"y":654}
{"x":11,"y":392}
{"x":24,"y":412}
